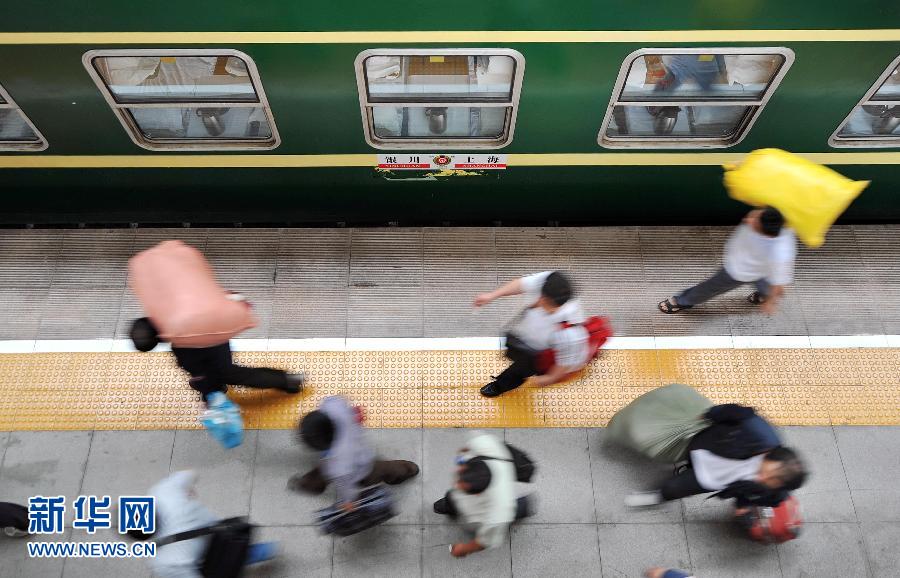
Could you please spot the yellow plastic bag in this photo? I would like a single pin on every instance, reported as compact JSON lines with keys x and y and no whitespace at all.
{"x":810,"y":196}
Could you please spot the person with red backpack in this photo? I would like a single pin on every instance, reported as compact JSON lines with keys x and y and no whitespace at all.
{"x":553,"y":338}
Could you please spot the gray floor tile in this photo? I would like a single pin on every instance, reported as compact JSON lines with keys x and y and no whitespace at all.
{"x":386,"y":258}
{"x":881,"y":540}
{"x":876,"y":505}
{"x":278,"y":457}
{"x":562,"y":484}
{"x":91,"y":567}
{"x":438,"y":562}
{"x":523,"y":251}
{"x":225,"y":477}
{"x":748,"y":319}
{"x":304,"y":553}
{"x":440,"y":448}
{"x":630,"y":307}
{"x":600,"y":255}
{"x":313,"y":258}
{"x":448,"y":312}
{"x":720,"y":550}
{"x":127,"y":462}
{"x":629,"y":549}
{"x":301,"y":311}
{"x":680,"y":255}
{"x":21,"y":311}
{"x":94,"y":257}
{"x":28,"y":258}
{"x":389,"y":551}
{"x":385,"y":311}
{"x":555,"y":550}
{"x":864,"y":453}
{"x":824,"y":550}
{"x":81,"y":312}
{"x":243,"y":258}
{"x":826,"y":496}
{"x":17,"y":564}
{"x":45,"y":464}
{"x":402,"y":444}
{"x":615,"y":473}
{"x":4,"y":436}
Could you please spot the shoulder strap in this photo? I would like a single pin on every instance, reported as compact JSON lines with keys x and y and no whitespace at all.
{"x":187,"y":535}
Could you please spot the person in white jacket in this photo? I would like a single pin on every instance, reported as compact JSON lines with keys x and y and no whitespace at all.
{"x":178,"y":510}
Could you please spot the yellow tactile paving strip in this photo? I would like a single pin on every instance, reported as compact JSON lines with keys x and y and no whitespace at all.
{"x":57,"y":391}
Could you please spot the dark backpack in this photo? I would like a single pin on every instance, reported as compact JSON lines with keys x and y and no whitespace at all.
{"x":228,"y":547}
{"x":523,"y":464}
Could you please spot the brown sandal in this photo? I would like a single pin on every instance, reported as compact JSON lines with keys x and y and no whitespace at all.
{"x":668,"y":307}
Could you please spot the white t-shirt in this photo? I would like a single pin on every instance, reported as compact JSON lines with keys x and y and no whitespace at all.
{"x":541,"y":330}
{"x":715,"y":472}
{"x":750,"y":256}
{"x":177,"y":511}
{"x":491,"y":512}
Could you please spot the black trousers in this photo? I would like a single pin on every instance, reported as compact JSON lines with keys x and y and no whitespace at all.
{"x":212,"y":369}
{"x":515,"y":375}
{"x":682,"y":485}
{"x":13,"y":515}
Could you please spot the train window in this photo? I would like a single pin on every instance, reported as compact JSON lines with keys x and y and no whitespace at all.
{"x":691,"y":97}
{"x":875,"y":121}
{"x":185,"y":99}
{"x":17,"y":133}
{"x":453,"y":98}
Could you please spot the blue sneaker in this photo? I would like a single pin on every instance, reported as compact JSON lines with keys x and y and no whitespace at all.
{"x":262,"y":552}
{"x":223,"y":420}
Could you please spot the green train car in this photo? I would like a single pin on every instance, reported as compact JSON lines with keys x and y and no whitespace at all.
{"x":512,"y":111}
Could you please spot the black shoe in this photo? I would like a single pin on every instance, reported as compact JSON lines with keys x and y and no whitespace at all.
{"x":440,"y":507}
{"x":756,"y":298}
{"x":295,"y":382}
{"x":491,"y":390}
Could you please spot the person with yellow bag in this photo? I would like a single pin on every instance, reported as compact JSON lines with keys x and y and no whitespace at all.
{"x":761,"y":251}
{"x":791,"y":190}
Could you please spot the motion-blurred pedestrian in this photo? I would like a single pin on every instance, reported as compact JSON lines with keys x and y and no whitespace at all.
{"x":761,"y":251}
{"x":346,"y":459}
{"x":484,"y":494}
{"x":552,"y":338}
{"x":185,"y":535}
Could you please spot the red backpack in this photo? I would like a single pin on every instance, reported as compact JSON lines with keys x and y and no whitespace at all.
{"x":599,"y":331}
{"x":775,"y":525}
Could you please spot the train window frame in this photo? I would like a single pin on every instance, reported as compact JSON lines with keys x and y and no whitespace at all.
{"x":7,"y":102}
{"x":874,"y":141}
{"x":133,"y":129}
{"x":755,"y":105}
{"x":450,"y":143}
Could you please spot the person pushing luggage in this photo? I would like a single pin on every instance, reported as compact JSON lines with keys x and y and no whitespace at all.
{"x":553,"y":337}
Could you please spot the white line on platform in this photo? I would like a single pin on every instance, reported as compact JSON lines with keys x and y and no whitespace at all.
{"x":470,"y":343}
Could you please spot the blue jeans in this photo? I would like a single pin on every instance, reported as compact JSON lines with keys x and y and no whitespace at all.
{"x":719,"y":283}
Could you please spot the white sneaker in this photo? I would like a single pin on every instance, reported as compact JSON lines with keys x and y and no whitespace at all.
{"x":14,"y":532}
{"x":643,"y":499}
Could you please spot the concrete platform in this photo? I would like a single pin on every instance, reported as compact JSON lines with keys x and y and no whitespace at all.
{"x":581,"y":527}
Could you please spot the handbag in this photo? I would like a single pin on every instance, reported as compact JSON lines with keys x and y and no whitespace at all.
{"x":374,"y":506}
{"x":226,"y":553}
{"x":522,"y":462}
